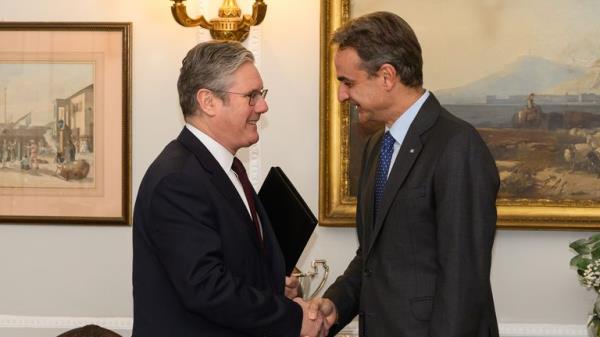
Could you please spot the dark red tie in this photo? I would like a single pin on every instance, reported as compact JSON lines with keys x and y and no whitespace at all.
{"x":239,"y":169}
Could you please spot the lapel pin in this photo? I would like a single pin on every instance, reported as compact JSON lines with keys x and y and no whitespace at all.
{"x":412,"y":151}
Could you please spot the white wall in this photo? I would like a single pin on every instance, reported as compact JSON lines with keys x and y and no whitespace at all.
{"x":85,"y":271}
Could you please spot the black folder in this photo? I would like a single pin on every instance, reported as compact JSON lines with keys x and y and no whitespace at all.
{"x":291,"y":219}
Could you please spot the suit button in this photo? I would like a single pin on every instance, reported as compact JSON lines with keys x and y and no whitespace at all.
{"x":367,"y":272}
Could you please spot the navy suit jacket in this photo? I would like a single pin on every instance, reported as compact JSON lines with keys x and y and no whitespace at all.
{"x":198,"y":267}
{"x":422,"y":268}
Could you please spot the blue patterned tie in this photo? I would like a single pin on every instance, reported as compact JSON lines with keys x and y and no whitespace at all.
{"x":383,"y":166}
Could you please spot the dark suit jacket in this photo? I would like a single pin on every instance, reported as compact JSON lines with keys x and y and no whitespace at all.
{"x":423,"y":267}
{"x":198,"y":267}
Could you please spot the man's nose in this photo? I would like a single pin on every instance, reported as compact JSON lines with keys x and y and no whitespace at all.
{"x":343,"y":94}
{"x":261,"y":106}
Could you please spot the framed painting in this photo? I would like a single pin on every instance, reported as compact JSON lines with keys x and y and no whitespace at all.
{"x":65,"y":114}
{"x":525,"y":74}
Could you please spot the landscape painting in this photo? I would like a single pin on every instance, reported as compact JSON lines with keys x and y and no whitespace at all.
{"x":46,"y":125}
{"x":526,"y":74}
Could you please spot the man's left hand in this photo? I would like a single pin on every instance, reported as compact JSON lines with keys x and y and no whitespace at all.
{"x":292,"y":287}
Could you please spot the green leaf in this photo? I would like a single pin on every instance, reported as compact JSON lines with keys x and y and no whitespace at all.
{"x":595,"y":321}
{"x":580,"y":262}
{"x":596,"y":253}
{"x":594,"y":245}
{"x":580,"y":246}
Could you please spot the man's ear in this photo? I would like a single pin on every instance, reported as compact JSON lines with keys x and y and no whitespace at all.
{"x":389,"y":75}
{"x":206,"y":101}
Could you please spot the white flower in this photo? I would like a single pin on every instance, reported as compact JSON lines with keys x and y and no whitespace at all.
{"x":591,"y":275}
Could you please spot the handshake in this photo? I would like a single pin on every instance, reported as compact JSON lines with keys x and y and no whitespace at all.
{"x":318,"y":314}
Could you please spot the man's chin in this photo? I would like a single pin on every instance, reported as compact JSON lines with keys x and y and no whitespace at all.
{"x":368,"y":125}
{"x":253,"y":140}
{"x":364,"y":118}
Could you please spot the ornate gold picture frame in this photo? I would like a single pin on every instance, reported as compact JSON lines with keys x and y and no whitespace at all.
{"x":65,"y":122}
{"x":555,"y":197}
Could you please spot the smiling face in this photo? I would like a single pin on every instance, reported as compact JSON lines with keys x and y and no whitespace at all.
{"x":234,"y":122}
{"x":358,"y":88}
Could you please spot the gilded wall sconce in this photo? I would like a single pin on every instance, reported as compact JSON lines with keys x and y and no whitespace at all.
{"x":230,"y":25}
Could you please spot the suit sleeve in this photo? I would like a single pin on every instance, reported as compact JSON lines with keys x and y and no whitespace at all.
{"x":189,"y":246}
{"x":465,"y":185}
{"x":345,"y":291}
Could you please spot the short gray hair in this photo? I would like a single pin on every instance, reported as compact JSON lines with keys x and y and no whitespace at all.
{"x":380,"y":38}
{"x":209,"y":65}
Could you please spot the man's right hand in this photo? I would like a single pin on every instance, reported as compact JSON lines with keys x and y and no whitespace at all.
{"x":323,"y":307}
{"x":311,"y":327}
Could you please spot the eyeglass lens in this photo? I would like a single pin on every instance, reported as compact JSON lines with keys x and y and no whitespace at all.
{"x":256,"y":94}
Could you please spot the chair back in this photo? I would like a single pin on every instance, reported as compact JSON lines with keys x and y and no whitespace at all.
{"x":90,"y":331}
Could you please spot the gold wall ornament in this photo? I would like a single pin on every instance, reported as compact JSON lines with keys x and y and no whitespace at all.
{"x":307,"y":277}
{"x":230,"y":25}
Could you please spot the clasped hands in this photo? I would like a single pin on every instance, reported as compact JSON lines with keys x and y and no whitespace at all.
{"x":318,"y":314}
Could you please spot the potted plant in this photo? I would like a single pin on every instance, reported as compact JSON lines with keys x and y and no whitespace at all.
{"x":587,"y":262}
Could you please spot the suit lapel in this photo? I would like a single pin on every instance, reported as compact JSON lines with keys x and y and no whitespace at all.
{"x":409,"y":152}
{"x":368,"y":195}
{"x":219,"y":178}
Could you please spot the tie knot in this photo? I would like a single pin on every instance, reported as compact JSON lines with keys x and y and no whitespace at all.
{"x":388,"y":140}
{"x":238,"y":167}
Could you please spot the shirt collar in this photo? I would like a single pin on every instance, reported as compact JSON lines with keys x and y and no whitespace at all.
{"x":399,"y":129}
{"x":221,"y":154}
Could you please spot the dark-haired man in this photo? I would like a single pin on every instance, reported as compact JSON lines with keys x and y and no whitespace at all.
{"x":426,"y":211}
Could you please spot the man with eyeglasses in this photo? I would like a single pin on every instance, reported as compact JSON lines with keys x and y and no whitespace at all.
{"x":205,"y":259}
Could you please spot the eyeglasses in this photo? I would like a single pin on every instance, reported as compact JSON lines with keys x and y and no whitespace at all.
{"x":252,"y":96}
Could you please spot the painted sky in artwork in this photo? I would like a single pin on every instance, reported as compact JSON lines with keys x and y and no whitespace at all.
{"x":466,"y":40}
{"x":33,"y":87}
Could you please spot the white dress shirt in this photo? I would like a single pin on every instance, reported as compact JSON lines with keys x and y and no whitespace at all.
{"x":400,"y":127}
{"x":225,"y":160}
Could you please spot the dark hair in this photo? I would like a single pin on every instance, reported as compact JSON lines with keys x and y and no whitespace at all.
{"x":380,"y":38}
{"x":209,"y":65}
